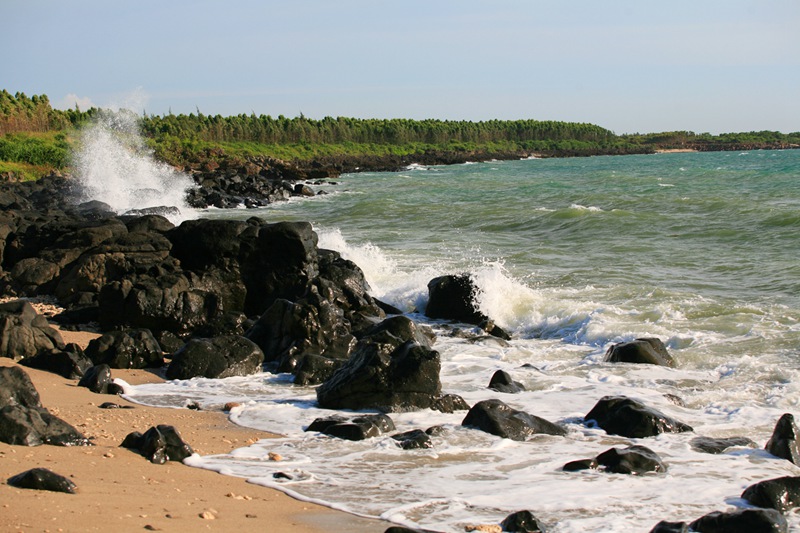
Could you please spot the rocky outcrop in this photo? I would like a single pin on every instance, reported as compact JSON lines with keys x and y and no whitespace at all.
{"x":644,"y":351}
{"x":453,"y":298}
{"x":497,"y":418}
{"x":619,"y":415}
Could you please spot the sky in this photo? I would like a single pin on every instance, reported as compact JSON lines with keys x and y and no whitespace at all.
{"x":628,"y":65}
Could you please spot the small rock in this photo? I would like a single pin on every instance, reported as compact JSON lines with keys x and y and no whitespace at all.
{"x":272,"y":456}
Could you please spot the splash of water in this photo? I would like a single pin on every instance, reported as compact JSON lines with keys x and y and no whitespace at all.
{"x":114,"y":165}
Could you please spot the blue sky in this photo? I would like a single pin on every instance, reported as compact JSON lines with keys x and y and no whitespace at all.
{"x":630,"y":66}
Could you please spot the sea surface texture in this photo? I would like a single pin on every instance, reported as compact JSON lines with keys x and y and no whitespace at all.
{"x":570,"y":256}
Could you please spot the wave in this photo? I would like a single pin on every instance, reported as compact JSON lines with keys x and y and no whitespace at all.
{"x":114,"y":166}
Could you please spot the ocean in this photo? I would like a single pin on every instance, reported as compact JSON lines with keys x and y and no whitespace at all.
{"x":570,"y":256}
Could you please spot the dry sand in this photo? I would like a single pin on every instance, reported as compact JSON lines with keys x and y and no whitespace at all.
{"x":120,"y":491}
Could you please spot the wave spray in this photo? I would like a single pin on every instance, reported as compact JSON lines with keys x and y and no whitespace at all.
{"x":114,"y":165}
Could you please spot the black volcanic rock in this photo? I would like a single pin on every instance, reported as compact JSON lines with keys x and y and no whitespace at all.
{"x":784,"y":442}
{"x":453,"y":298}
{"x":644,"y":351}
{"x":781,"y":494}
{"x":497,"y":418}
{"x":619,"y":415}
{"x":219,"y":357}
{"x":42,"y":479}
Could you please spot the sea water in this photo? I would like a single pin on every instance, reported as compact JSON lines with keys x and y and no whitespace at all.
{"x":570,"y":256}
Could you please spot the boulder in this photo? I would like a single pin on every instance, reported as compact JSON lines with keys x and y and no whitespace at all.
{"x":135,"y":348}
{"x":33,"y":426}
{"x":159,"y":444}
{"x":220,"y":357}
{"x":450,"y":403}
{"x":290,"y":330}
{"x":522,"y":522}
{"x":781,"y":494}
{"x":495,"y":417}
{"x":277,"y":261}
{"x":631,"y":460}
{"x":453,"y":298}
{"x":16,"y":388}
{"x":70,"y":362}
{"x":24,"y":333}
{"x":501,"y":382}
{"x":741,"y":521}
{"x":42,"y":479}
{"x":646,"y":350}
{"x":98,"y":380}
{"x":620,"y":415}
{"x":784,"y":443}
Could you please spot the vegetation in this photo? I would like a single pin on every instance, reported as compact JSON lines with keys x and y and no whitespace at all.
{"x":35,"y":138}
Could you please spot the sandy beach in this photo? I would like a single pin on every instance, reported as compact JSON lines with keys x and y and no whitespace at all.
{"x":119,"y":490}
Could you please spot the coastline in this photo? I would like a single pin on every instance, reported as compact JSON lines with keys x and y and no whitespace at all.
{"x":119,"y":489}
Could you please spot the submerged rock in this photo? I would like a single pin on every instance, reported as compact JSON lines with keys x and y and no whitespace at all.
{"x":357,"y":428}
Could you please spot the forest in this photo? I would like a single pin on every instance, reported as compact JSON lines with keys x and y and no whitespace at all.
{"x":35,"y":137}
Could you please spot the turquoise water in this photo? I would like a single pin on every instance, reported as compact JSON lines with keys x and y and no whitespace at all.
{"x":571,"y":256}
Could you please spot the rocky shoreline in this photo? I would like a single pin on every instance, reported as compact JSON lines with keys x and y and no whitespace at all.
{"x":219,"y":298}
